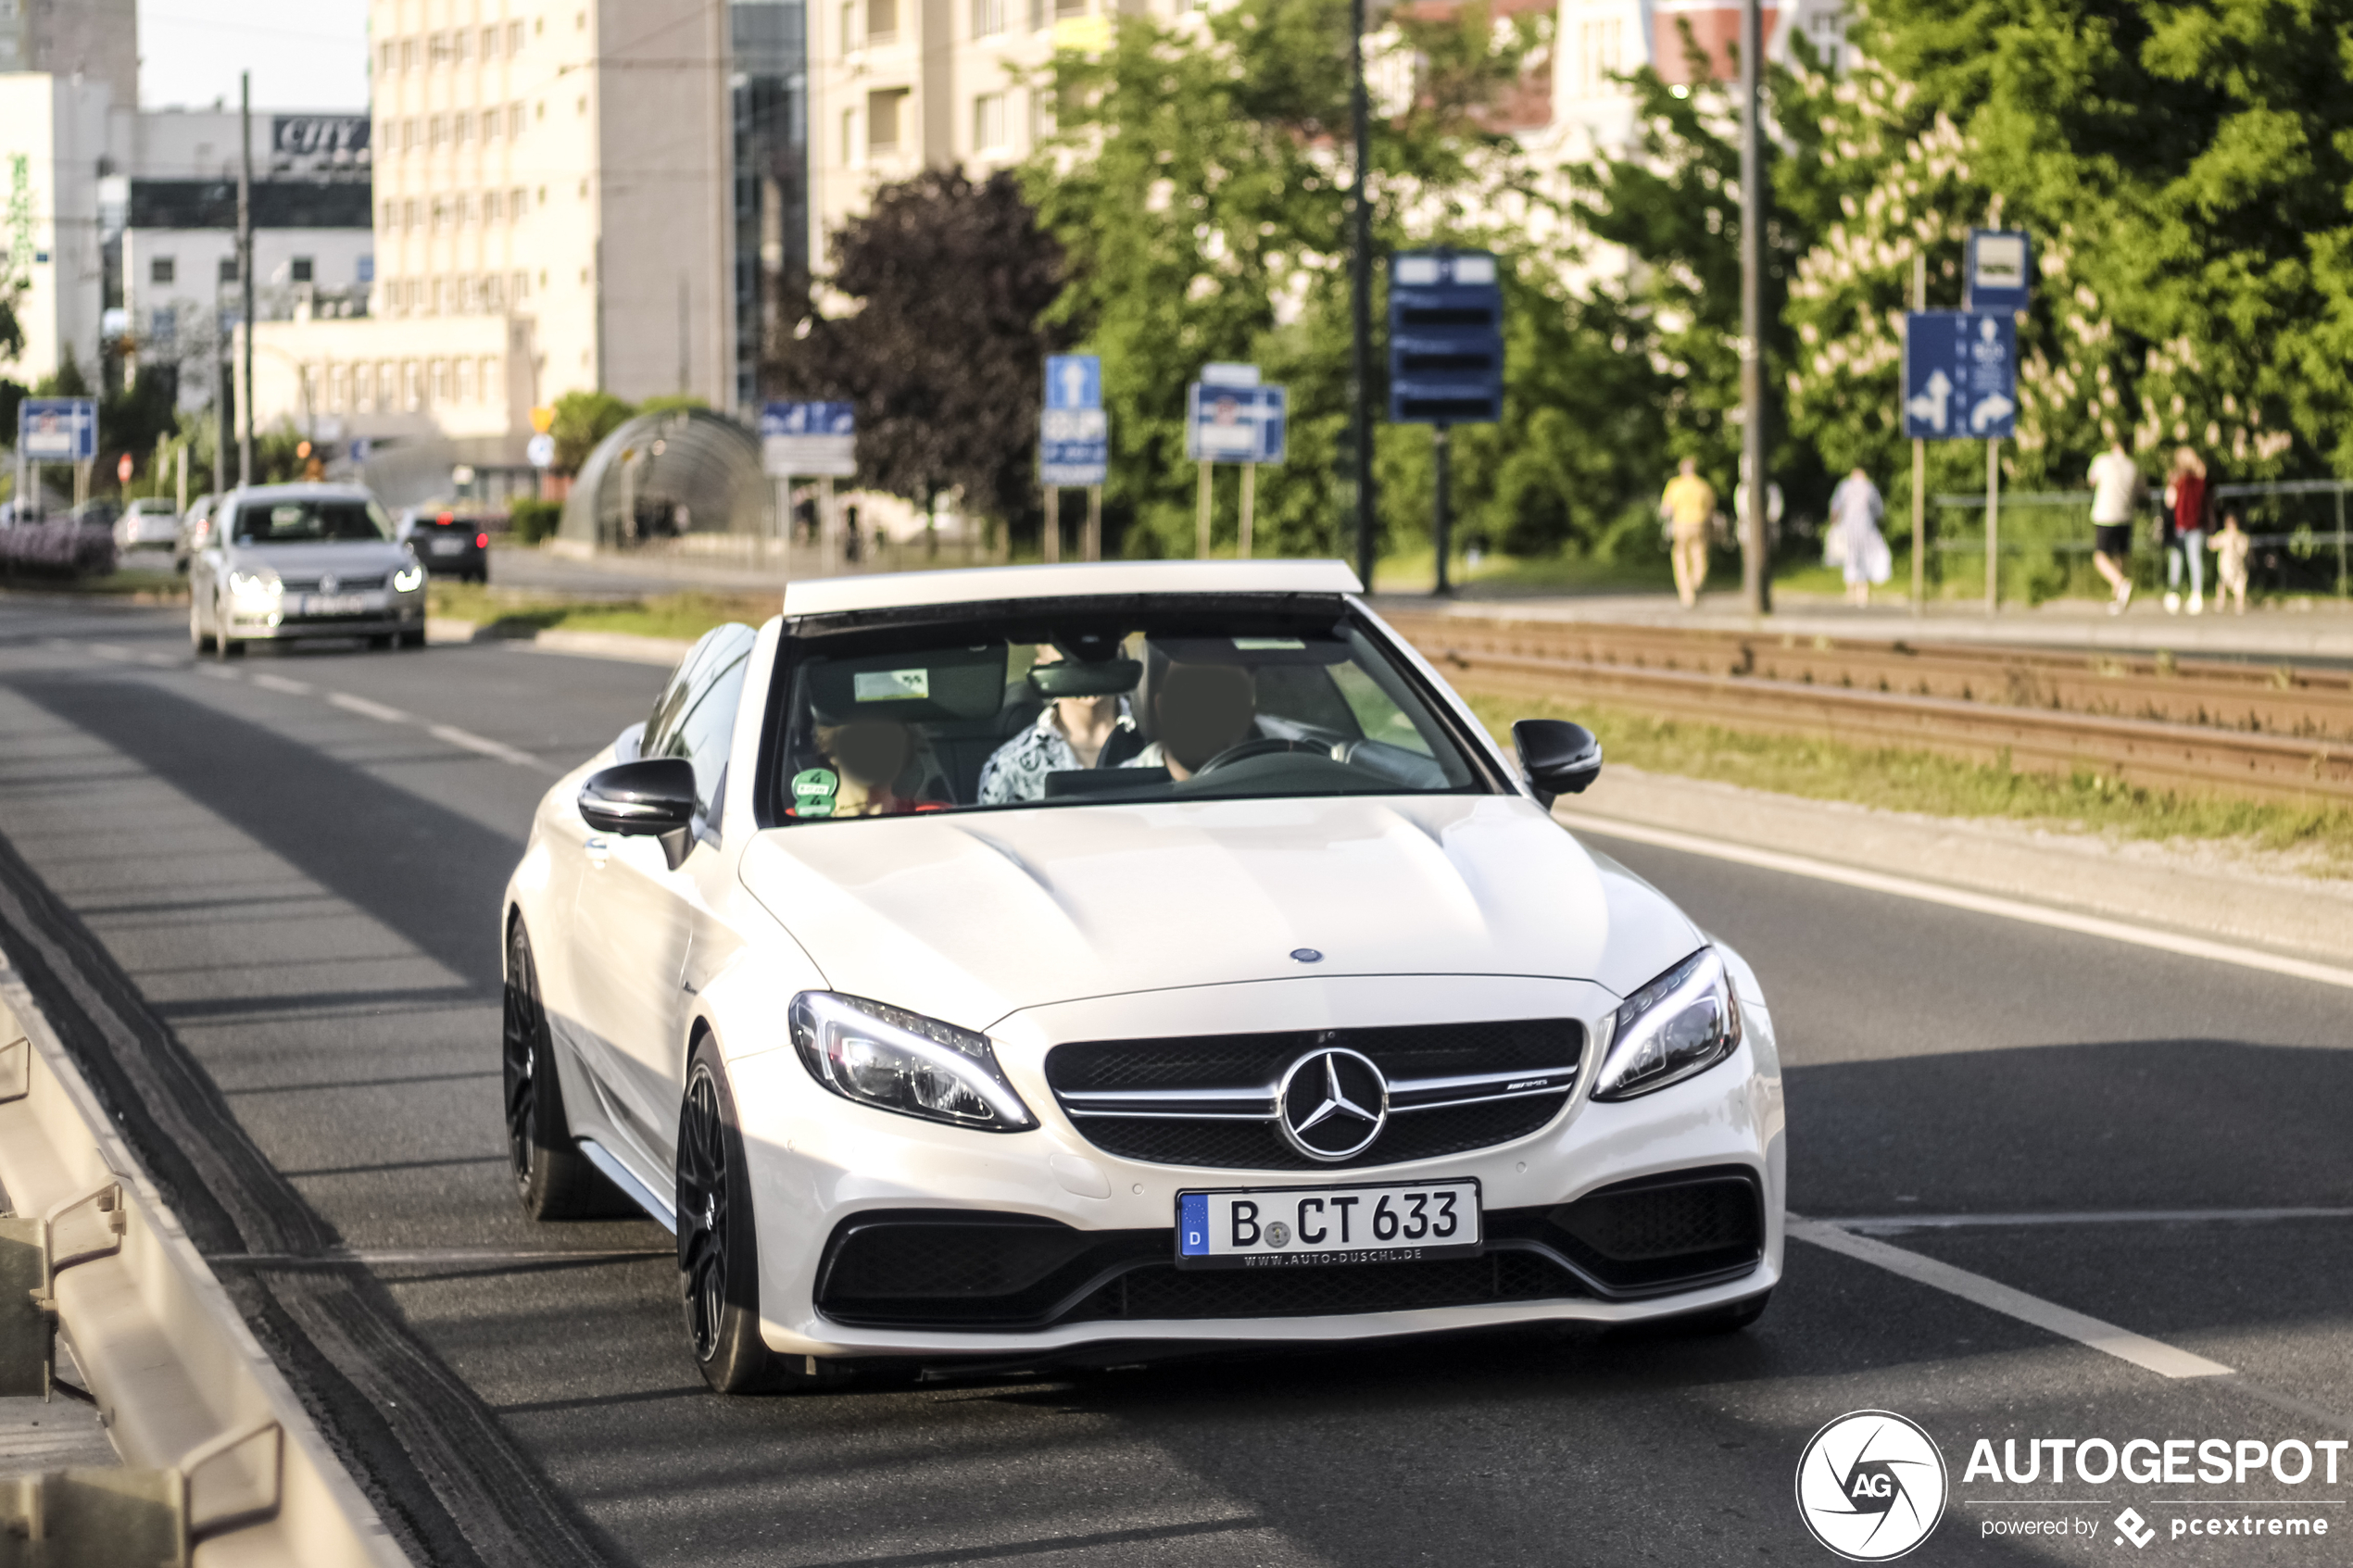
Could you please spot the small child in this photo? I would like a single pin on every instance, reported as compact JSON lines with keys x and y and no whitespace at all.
{"x":2229,"y":547}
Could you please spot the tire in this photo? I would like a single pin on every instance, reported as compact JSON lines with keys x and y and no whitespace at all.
{"x":718,"y":1248}
{"x":553,"y":1179}
{"x":199,"y":640}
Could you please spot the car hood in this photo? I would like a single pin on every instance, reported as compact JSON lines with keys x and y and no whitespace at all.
{"x":351,"y":558}
{"x":973,"y":916}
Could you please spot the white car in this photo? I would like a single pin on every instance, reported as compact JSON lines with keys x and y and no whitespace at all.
{"x":1022,"y":965}
{"x":149,"y":523}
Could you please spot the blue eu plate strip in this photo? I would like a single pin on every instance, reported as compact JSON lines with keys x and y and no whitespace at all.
{"x":1192,"y":1224}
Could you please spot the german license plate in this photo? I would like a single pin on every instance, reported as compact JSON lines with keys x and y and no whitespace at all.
{"x":1293,"y":1227}
{"x":447,"y":546}
{"x":334,"y":604}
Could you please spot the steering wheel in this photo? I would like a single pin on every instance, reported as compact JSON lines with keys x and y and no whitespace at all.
{"x":1264,"y":745}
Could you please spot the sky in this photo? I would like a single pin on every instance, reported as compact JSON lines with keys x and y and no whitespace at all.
{"x":303,"y":54}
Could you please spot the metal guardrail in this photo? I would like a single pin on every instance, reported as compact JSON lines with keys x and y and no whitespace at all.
{"x":1888,"y":694}
{"x":221,"y":1467}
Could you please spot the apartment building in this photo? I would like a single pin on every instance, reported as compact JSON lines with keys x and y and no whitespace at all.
{"x":95,"y":39}
{"x":552,"y":213}
{"x":1597,"y":41}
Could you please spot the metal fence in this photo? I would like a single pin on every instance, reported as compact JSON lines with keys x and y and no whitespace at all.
{"x":2299,"y":529}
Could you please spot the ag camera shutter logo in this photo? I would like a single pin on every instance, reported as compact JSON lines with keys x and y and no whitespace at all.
{"x":1871,"y":1486}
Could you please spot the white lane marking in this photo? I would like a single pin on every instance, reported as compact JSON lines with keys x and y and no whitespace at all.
{"x":161,"y":660}
{"x":218,"y":672}
{"x":1957,"y":898}
{"x":279,"y":684}
{"x":367,"y":709}
{"x":2166,"y":1360}
{"x":1888,"y":1225}
{"x":110,"y":650}
{"x":486,"y":747}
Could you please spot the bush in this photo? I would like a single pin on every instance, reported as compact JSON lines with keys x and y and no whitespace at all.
{"x":57,"y":548}
{"x":534,"y":520}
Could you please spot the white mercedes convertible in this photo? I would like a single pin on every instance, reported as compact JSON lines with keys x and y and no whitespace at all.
{"x":1061,"y":963}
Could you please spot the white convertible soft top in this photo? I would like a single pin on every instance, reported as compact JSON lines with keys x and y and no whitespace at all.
{"x":893,"y":590}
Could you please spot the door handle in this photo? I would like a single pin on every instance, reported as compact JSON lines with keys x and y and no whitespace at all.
{"x":599,"y":850}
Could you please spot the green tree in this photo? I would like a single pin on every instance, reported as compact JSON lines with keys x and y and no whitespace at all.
{"x":583,"y":419}
{"x":944,"y":354}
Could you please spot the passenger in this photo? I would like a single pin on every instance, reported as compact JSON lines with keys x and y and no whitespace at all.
{"x":1200,"y":711}
{"x":869,"y":755}
{"x":1070,"y":734}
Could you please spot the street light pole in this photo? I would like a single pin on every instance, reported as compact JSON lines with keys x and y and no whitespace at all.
{"x":1755,"y":579}
{"x":1360,"y":304}
{"x":244,"y":268}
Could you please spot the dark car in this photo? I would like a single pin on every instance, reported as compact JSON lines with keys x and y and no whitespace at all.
{"x":451,"y":544}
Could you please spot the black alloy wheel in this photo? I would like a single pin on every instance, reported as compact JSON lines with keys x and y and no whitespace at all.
{"x":553,"y":1179}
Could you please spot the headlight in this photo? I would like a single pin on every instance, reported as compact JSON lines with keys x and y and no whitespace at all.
{"x":899,"y":1061}
{"x":253,"y":586}
{"x":1682,"y":1022}
{"x":407,"y":579}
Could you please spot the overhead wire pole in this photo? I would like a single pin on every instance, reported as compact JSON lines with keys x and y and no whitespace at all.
{"x":1755,"y":582}
{"x":1360,"y":304}
{"x":245,"y":269}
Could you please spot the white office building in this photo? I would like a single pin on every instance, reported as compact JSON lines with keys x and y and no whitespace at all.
{"x":552,"y":214}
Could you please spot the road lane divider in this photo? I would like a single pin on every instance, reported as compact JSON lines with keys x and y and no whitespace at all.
{"x":270,"y":683}
{"x":367,"y":709}
{"x":1892,"y":1224}
{"x":483,"y":745}
{"x":2151,"y":1355}
{"x":219,"y":1451}
{"x":2178,"y":943}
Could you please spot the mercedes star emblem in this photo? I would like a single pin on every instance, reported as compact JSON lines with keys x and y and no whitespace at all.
{"x":328,"y":584}
{"x":1332,"y":1104}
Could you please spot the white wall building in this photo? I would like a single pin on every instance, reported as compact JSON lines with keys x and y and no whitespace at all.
{"x":551,"y":200}
{"x":53,"y":142}
{"x":96,"y":40}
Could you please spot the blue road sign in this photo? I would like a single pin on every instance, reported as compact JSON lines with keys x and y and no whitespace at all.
{"x":1236,"y":424}
{"x":1073,"y":380}
{"x":1960,"y":375}
{"x":1445,"y":338}
{"x":2000,"y":274}
{"x":808,"y":440}
{"x":57,"y":430}
{"x":1074,"y":447}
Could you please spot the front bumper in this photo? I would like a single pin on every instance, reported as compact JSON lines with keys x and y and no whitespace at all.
{"x":394,"y":613}
{"x":1100,"y":1237}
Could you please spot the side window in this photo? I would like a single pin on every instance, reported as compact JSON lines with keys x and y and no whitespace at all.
{"x":696,"y":718}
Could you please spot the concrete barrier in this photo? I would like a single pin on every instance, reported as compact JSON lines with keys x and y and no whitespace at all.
{"x":188,"y":1395}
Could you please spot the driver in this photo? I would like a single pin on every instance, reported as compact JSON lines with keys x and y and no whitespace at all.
{"x":1200,"y":711}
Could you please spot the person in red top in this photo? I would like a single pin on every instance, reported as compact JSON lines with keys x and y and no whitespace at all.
{"x":2185,"y":531}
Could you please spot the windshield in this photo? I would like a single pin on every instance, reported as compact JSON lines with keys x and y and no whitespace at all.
{"x":1084,"y":709}
{"x":310,"y":521}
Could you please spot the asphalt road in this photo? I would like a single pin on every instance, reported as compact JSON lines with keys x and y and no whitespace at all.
{"x":268,"y":896}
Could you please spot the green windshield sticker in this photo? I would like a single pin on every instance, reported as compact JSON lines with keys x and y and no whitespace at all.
{"x":890,"y":685}
{"x":812,"y":792}
{"x":1267,"y":645}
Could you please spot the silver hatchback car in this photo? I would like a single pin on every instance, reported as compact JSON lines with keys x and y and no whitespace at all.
{"x":284,"y":561}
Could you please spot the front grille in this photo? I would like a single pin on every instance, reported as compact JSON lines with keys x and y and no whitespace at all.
{"x":1105,"y":1087}
{"x":342,"y":585}
{"x":1663,"y":1232}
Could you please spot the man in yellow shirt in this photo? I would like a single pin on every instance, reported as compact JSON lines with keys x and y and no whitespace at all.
{"x":1689,"y":506}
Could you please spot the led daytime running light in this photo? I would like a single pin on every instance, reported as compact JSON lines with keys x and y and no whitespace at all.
{"x":1682,"y":1023}
{"x":901,"y":1061}
{"x":408,"y":579}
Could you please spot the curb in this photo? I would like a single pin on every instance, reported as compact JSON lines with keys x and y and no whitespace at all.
{"x":626,"y":646}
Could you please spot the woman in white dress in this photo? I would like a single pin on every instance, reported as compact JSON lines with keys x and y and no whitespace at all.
{"x":1853,"y":542}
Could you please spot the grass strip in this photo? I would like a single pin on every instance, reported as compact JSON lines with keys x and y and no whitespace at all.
{"x":1898,"y":780}
{"x":504,"y":612}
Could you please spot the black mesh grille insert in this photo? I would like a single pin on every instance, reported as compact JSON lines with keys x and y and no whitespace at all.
{"x":1234,"y":1062}
{"x":1644,"y":1235}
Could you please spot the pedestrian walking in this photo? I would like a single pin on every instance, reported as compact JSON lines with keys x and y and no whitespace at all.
{"x":2116,"y":485}
{"x":2186,"y":504}
{"x":2231,"y":547}
{"x":1854,"y":543}
{"x":1688,"y":508}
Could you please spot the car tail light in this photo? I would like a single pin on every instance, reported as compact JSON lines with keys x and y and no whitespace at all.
{"x":482,"y":541}
{"x":446,"y":519}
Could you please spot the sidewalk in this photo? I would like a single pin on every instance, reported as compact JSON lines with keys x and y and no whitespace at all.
{"x":2257,"y":898}
{"x":2324,"y":630}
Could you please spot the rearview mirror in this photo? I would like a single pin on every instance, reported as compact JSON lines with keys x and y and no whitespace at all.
{"x":1559,"y":757}
{"x":653,"y":798}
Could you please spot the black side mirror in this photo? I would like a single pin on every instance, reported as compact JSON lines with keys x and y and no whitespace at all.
{"x":652,"y":798}
{"x":1559,"y":757}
